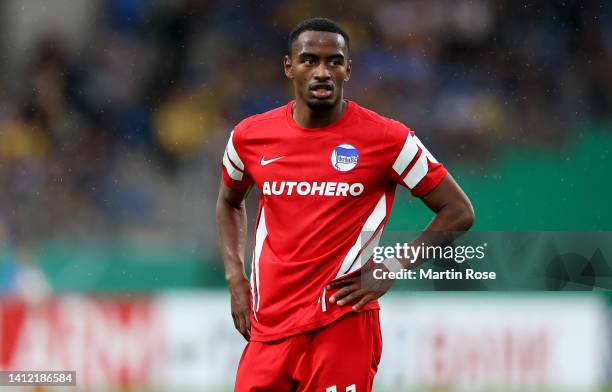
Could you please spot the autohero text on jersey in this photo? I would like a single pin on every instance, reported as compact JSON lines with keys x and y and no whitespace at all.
{"x":304,"y":188}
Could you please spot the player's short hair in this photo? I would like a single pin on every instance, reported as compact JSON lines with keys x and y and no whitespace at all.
{"x":317,"y":24}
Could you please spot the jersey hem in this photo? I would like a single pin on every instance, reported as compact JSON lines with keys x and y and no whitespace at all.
{"x":310,"y":326}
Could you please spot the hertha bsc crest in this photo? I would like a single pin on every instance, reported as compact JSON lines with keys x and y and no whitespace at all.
{"x":344,"y":157}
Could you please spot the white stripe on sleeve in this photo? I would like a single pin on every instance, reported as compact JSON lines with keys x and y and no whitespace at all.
{"x":417,"y":172}
{"x":233,"y":155}
{"x":405,"y":156}
{"x":429,"y":155}
{"x":234,"y":173}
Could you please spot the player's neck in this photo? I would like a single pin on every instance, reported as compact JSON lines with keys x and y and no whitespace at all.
{"x":308,"y":118}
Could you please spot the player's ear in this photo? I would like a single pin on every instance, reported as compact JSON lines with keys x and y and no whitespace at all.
{"x":349,"y":68}
{"x":287,"y":66}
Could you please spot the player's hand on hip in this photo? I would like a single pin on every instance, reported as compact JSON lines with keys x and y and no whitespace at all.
{"x":359,"y":289}
{"x":240,"y":291}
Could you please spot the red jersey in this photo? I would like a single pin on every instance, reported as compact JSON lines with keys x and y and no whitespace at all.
{"x":326,"y":194}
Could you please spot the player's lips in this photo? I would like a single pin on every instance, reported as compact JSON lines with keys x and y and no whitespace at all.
{"x":322,"y":91}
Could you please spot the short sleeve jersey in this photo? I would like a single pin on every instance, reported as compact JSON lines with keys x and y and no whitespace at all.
{"x":326,"y":194}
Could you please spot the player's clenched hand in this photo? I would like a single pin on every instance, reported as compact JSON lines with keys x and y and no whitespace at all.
{"x":239,"y":293}
{"x":361,"y":288}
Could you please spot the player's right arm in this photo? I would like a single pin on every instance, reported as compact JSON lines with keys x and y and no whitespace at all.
{"x":232,"y":229}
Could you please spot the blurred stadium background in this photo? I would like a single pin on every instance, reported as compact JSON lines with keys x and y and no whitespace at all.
{"x":113,"y":118}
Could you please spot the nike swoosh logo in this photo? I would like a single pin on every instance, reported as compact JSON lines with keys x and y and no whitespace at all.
{"x":265,"y":162}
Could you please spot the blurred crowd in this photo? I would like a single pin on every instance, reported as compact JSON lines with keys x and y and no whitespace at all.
{"x":114,"y":113}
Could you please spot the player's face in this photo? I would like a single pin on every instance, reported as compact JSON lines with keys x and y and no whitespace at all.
{"x":318,"y":66}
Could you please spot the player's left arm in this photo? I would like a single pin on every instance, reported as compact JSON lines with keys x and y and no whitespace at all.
{"x":454,"y":216}
{"x":453,"y":209}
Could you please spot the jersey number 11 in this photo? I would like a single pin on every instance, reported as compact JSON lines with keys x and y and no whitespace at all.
{"x":350,"y":388}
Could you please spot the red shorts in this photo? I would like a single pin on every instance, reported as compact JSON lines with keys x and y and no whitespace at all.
{"x":340,"y":357}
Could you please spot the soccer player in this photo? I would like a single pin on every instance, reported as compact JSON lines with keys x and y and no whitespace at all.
{"x":327,"y":170}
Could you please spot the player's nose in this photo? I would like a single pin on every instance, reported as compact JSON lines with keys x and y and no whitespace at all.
{"x":322,"y":72}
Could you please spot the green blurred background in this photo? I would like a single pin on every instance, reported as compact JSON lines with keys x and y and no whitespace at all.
{"x":565,"y":188}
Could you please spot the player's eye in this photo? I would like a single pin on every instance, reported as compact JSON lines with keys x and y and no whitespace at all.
{"x":309,"y":61}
